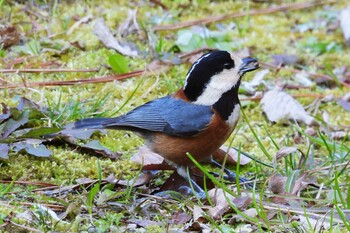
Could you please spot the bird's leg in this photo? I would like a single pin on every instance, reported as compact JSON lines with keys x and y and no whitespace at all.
{"x":231,"y":176}
{"x":197,"y":190}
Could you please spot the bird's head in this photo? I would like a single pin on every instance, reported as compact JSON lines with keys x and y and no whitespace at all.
{"x":214,"y":74}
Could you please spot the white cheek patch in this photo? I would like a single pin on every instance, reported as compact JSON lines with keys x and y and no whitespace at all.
{"x":234,"y":117}
{"x":219,"y":84}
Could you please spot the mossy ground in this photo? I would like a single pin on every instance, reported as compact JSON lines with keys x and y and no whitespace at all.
{"x":265,"y":35}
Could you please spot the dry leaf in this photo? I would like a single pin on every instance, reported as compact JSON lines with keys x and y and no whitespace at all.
{"x":284,"y":151}
{"x":198,"y":214}
{"x":219,"y":198}
{"x":299,"y":184}
{"x":252,"y":212}
{"x":345,"y":23}
{"x":9,"y":36}
{"x":105,"y":35}
{"x":277,"y":184}
{"x":181,"y":218}
{"x":145,"y":156}
{"x":279,"y":106}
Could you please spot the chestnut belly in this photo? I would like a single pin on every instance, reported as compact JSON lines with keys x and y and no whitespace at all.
{"x":201,"y":146}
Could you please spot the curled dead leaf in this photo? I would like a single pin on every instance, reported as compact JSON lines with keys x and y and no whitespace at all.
{"x":284,"y":151}
{"x":277,"y":184}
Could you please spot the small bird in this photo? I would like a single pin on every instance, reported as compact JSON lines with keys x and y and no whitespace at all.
{"x":197,"y":119}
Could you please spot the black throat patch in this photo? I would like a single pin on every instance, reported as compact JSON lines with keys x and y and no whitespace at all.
{"x":226,"y":104}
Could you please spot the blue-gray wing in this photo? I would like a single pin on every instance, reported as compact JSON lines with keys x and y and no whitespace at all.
{"x":167,"y":115}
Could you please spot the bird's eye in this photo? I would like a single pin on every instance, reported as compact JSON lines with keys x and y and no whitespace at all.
{"x":228,"y":66}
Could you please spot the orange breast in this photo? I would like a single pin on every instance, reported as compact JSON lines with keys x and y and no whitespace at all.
{"x":201,"y":146}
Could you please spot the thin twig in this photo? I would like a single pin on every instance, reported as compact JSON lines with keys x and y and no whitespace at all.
{"x":207,"y":20}
{"x":25,"y":227}
{"x":6,"y":71}
{"x":28,"y":183}
{"x":51,"y":206}
{"x":77,"y":81}
{"x":290,"y":209}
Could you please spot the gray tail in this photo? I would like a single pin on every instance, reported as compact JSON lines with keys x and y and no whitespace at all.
{"x":91,"y":123}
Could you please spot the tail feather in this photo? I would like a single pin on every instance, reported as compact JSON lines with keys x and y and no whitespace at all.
{"x":91,"y":123}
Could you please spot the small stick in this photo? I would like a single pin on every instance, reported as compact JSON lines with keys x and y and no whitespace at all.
{"x":207,"y":20}
{"x":7,"y":71}
{"x":77,"y":81}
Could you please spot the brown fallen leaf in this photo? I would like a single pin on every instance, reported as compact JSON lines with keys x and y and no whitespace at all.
{"x":9,"y":36}
{"x":181,"y":218}
{"x":277,"y":184}
{"x":145,"y":156}
{"x":280,"y":106}
{"x":219,"y":198}
{"x":284,"y":152}
{"x":198,"y":227}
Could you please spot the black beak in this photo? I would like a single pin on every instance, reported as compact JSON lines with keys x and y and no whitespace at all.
{"x":248,"y":64}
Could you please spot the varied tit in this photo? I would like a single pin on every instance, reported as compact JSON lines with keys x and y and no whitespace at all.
{"x":197,"y":119}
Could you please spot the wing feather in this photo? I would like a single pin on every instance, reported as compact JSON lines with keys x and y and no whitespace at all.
{"x":167,"y":115}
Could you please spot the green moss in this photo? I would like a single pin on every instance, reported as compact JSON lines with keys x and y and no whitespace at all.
{"x":265,"y":35}
{"x":64,"y":165}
